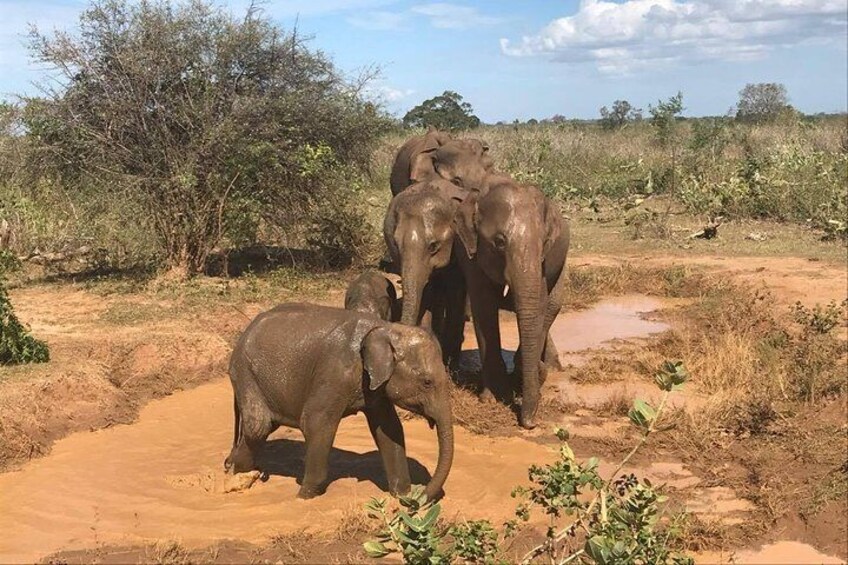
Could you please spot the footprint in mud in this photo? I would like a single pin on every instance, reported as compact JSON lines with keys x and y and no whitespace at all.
{"x":214,"y":481}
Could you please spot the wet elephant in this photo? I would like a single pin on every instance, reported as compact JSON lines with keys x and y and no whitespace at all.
{"x":307,"y":367}
{"x":513,"y":235}
{"x":419,"y":233}
{"x":464,"y":162}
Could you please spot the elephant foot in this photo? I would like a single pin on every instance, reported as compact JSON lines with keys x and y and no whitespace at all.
{"x":553,"y":363}
{"x":307,"y":492}
{"x":486,"y":396}
{"x":527,"y":422}
{"x":240,"y":481}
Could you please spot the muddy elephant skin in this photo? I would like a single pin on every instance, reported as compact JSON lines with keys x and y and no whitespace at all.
{"x":464,"y":162}
{"x":419,"y":233}
{"x":513,"y":235}
{"x":306,"y":366}
{"x":372,"y":293}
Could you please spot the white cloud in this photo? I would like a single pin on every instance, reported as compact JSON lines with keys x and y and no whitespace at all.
{"x":619,"y":37}
{"x":386,"y":93}
{"x":380,"y":19}
{"x":453,"y":16}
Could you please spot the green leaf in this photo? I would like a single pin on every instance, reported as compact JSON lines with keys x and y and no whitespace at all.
{"x":596,"y":548}
{"x":375,"y":549}
{"x":431,"y":516}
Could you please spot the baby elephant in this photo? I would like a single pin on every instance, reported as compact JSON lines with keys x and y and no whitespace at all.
{"x":372,"y":293}
{"x":307,"y":367}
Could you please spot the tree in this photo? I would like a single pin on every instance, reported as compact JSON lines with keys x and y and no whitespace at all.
{"x":445,"y":112}
{"x":621,"y":113}
{"x":211,"y":121}
{"x":664,"y":118}
{"x":762,"y":102}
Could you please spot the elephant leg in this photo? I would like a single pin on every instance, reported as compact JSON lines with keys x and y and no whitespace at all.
{"x":454,"y":327}
{"x":387,"y":432}
{"x":256,"y":426}
{"x":550,"y":355}
{"x":319,"y":431}
{"x":485,"y":298}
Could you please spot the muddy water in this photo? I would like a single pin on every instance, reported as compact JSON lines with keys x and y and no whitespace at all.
{"x":159,"y":478}
{"x":575,"y":333}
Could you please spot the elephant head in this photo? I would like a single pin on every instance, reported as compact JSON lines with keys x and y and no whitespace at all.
{"x":419,"y":233}
{"x":509,"y":231}
{"x":463,"y":162}
{"x":408,"y":361}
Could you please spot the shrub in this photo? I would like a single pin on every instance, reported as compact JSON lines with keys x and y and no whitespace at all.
{"x":209,"y":122}
{"x":619,"y":524}
{"x":16,"y":344}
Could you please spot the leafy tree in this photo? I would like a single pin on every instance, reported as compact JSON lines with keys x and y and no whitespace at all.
{"x":664,"y":118}
{"x":445,"y":112}
{"x":762,"y":102}
{"x":558,"y":119}
{"x":621,"y":113}
{"x":209,"y":120}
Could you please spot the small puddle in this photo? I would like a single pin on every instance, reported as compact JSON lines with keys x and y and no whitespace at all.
{"x":574,"y":333}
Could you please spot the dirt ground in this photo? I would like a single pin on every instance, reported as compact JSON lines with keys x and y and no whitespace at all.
{"x":104,"y":463}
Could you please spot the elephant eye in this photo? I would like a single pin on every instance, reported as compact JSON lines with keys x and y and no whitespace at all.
{"x":428,"y":382}
{"x":457,"y":181}
{"x":500,"y":241}
{"x":433,"y":248}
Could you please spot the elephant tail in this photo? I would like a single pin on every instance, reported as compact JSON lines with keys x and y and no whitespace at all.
{"x":236,"y":422}
{"x":228,"y":462}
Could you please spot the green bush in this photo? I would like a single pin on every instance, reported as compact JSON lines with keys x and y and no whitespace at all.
{"x":17,"y":346}
{"x":620,"y":523}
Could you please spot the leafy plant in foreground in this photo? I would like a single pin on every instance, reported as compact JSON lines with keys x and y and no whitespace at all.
{"x":16,"y":344}
{"x":411,"y":532}
{"x":616,"y":520}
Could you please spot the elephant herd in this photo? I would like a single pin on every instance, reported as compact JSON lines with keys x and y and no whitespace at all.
{"x":457,"y":232}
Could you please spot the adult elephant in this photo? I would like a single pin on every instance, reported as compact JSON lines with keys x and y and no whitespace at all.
{"x":464,"y":162}
{"x":419,"y":233}
{"x":513,"y":235}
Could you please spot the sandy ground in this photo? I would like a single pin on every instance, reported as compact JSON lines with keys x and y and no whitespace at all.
{"x":161,"y":476}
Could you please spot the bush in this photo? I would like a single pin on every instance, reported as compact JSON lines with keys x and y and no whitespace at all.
{"x":16,"y":344}
{"x":211,"y":124}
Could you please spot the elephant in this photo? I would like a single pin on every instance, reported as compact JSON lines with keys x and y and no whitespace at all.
{"x":372,"y":293}
{"x":511,"y":234}
{"x":307,"y":366}
{"x":419,"y":233}
{"x":464,"y":162}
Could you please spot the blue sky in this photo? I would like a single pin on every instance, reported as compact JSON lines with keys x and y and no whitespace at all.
{"x":537,"y":58}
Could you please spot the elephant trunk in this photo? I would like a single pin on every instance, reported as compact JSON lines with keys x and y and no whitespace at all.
{"x":529,"y":293}
{"x":444,"y":430}
{"x":413,"y":278}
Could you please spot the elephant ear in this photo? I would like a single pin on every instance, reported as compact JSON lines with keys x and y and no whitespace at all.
{"x":465,"y":223}
{"x":553,"y":225}
{"x":389,"y":228}
{"x":378,"y":356}
{"x":423,"y":166}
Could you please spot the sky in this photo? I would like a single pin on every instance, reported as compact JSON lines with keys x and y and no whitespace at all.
{"x":537,"y":58}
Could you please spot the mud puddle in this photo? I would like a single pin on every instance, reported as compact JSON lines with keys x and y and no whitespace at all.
{"x":159,"y":478}
{"x":577,"y":333}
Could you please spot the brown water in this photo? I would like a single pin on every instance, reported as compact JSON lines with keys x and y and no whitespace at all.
{"x":577,"y":332}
